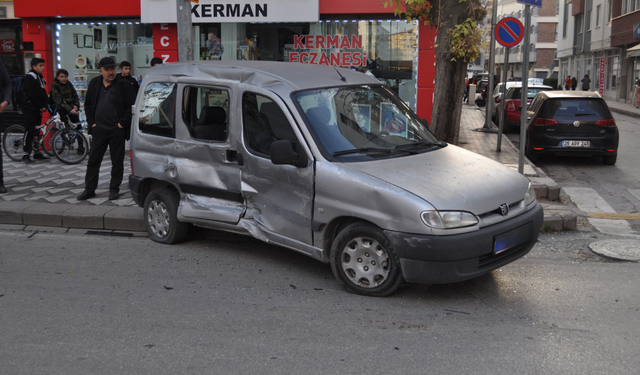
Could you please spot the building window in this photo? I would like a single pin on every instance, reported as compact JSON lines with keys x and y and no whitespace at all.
{"x":565,"y":20}
{"x":555,"y":32}
{"x":579,"y":23}
{"x":598,"y":15}
{"x":609,"y":11}
{"x":588,"y":20}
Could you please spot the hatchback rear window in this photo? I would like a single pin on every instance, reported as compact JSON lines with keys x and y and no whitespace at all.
{"x":531,"y":92}
{"x":589,"y":109}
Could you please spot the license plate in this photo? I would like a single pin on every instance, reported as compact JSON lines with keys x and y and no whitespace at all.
{"x":576,"y":143}
{"x":512,"y":238}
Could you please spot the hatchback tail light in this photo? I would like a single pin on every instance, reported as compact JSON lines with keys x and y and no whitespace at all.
{"x":606,"y":123}
{"x":511,"y":106}
{"x":545,"y":122}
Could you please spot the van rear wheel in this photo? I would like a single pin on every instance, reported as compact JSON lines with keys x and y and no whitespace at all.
{"x":160,"y":213}
{"x":364,"y":262}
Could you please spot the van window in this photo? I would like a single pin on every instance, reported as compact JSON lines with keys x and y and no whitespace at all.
{"x":205,"y":112}
{"x":264,"y":123}
{"x":157,"y":112}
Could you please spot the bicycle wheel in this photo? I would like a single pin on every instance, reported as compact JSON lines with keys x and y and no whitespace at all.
{"x":48,"y":148}
{"x":13,"y":142}
{"x":70,"y":146}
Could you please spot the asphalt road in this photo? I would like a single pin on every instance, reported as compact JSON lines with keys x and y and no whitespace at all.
{"x":72,"y":304}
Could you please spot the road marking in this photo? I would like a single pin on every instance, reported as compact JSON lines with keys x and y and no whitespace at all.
{"x":600,"y":214}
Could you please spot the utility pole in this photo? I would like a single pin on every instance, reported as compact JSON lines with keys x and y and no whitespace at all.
{"x":185,"y":40}
{"x":492,"y":66}
{"x":525,"y":86}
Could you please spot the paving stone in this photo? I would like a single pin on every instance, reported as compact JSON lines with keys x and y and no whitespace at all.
{"x":85,"y":216}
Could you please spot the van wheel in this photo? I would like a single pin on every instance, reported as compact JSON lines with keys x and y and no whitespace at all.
{"x":610,"y":160}
{"x":364,"y":262}
{"x":160,"y":213}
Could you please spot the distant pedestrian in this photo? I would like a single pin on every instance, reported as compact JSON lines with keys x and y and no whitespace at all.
{"x":156,"y":61}
{"x":574,"y":83}
{"x":36,"y":104}
{"x":5,"y":95}
{"x":65,"y":97}
{"x":108,"y":108}
{"x":567,"y":83}
{"x":585,"y":82}
{"x":125,"y":72}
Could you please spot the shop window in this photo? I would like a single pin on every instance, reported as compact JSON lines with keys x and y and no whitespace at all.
{"x":264,"y":123}
{"x":206,"y":113}
{"x":157,"y":112}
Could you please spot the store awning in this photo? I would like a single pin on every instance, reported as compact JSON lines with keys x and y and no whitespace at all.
{"x":633,"y":51}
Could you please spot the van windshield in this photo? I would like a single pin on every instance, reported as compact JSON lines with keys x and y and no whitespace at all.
{"x":363,"y":122}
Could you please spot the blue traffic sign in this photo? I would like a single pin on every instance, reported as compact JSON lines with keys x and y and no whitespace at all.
{"x":509,"y":32}
{"x":533,"y":3}
{"x":636,"y":30}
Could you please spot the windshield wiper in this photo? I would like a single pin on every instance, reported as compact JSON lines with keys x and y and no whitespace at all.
{"x":421,"y":144}
{"x":370,"y":150}
{"x":585,"y":114}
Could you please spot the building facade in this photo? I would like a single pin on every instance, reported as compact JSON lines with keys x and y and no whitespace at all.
{"x":625,"y":35}
{"x":303,"y":31}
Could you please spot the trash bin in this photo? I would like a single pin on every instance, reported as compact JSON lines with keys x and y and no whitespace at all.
{"x":472,"y":94}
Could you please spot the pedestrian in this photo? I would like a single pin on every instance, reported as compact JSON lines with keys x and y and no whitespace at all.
{"x":36,"y":104}
{"x":66,"y":101}
{"x":574,"y":83}
{"x":125,"y":72}
{"x":108,"y":108}
{"x":585,"y":82}
{"x":567,"y":83}
{"x":156,"y":61}
{"x":5,"y":95}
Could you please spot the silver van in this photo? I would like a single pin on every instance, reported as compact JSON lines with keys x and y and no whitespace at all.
{"x":325,"y":161}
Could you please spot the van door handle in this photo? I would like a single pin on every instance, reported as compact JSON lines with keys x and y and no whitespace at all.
{"x":232,"y":155}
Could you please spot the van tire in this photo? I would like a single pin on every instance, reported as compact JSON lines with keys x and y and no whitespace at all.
{"x":160,"y":217}
{"x":363,"y":260}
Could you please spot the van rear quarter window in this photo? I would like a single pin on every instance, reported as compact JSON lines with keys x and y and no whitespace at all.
{"x":157,"y":112}
{"x":206,"y":113}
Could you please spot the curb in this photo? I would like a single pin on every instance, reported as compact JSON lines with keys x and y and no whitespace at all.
{"x":624,"y":111}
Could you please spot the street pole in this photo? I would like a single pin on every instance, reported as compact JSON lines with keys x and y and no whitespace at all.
{"x":492,"y":65}
{"x":185,"y":40}
{"x":501,"y":110}
{"x":525,"y":86}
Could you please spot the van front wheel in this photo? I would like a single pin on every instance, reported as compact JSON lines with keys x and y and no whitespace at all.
{"x":364,"y":262}
{"x":160,"y":214}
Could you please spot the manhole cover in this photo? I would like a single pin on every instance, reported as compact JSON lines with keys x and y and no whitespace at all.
{"x":618,"y":249}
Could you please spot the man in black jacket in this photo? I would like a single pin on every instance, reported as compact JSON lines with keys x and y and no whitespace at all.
{"x":125,"y":72}
{"x":108,"y":107}
{"x":5,"y":95}
{"x":36,"y":104}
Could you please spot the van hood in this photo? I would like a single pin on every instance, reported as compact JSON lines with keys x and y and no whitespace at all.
{"x":450,"y":178}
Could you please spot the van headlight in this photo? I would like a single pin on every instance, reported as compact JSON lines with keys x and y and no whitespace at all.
{"x":530,"y":195}
{"x":448,"y":219}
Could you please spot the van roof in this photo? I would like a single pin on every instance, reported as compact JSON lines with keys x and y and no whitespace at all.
{"x":280,"y":77}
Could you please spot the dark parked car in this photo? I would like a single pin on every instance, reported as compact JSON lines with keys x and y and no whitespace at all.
{"x":576,"y":123}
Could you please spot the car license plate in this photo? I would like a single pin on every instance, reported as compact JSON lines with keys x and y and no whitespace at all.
{"x":576,"y":143}
{"x":512,"y":238}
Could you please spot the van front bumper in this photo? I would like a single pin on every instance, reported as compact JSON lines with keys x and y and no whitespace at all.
{"x":449,"y":259}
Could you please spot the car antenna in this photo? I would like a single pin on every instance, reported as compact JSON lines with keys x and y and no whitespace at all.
{"x":341,"y":76}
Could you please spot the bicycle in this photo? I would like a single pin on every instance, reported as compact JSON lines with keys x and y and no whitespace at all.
{"x":67,"y":144}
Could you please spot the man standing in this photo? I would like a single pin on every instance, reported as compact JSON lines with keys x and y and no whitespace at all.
{"x":5,"y":96}
{"x":585,"y":82}
{"x":108,"y":108}
{"x":574,"y":83}
{"x":125,"y":72}
{"x":35,"y":105}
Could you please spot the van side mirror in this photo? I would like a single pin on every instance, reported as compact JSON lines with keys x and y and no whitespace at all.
{"x":282,"y":153}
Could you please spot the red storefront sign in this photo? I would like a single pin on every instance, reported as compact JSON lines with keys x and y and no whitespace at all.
{"x":7,"y":45}
{"x":601,"y":86}
{"x":342,"y":58}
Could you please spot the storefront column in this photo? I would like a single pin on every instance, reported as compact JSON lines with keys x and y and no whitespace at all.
{"x":165,"y":41}
{"x":38,"y":32}
{"x":426,"y":71}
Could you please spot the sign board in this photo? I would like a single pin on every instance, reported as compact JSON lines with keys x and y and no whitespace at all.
{"x":7,"y":45}
{"x":3,"y":12}
{"x":509,"y":32}
{"x":226,"y":11}
{"x":533,"y":3}
{"x":601,"y":82}
{"x":636,"y":30}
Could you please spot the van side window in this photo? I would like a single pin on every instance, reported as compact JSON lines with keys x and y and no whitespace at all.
{"x":263,"y":123}
{"x":205,"y":112}
{"x":158,"y":110}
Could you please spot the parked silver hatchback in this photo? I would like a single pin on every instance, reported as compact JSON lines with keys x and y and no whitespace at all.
{"x":325,"y":161}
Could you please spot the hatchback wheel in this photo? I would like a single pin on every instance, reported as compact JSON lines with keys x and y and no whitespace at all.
{"x":160,"y":214}
{"x":364,"y":262}
{"x":610,"y":160}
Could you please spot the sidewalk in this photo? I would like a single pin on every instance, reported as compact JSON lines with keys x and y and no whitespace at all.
{"x":625,"y":109}
{"x":43,"y":195}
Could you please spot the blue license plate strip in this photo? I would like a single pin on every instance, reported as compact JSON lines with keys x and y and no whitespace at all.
{"x":512,"y":238}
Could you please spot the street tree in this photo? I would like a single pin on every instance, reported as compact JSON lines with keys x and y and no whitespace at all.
{"x":459,"y":42}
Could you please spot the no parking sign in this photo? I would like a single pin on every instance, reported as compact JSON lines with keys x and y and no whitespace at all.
{"x":509,"y":32}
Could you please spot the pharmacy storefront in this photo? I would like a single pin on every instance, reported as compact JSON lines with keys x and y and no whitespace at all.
{"x":294,"y":31}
